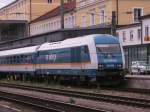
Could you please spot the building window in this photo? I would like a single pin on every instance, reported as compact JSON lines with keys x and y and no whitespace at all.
{"x":50,"y":1}
{"x":137,"y":14}
{"x":92,"y":19}
{"x":146,"y":31}
{"x":131,"y":35}
{"x":83,"y":21}
{"x":73,"y":21}
{"x":102,"y":16}
{"x":139,"y":34}
{"x":124,"y":36}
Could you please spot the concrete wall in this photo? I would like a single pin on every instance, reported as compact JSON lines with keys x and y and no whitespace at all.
{"x":142,"y":82}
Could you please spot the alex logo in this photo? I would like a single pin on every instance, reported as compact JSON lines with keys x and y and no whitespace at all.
{"x":51,"y":57}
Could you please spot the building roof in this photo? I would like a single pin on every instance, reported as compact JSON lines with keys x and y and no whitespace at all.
{"x":9,"y":4}
{"x":55,"y":12}
{"x":145,"y":16}
{"x":120,"y":27}
{"x":12,"y":21}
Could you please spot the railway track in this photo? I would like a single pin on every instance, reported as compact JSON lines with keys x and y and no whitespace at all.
{"x":132,"y":90}
{"x":47,"y":105}
{"x":141,"y":103}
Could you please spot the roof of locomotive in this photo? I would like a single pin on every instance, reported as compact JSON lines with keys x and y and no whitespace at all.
{"x":25,"y":50}
{"x":71,"y":42}
{"x":105,"y":39}
{"x":78,"y":41}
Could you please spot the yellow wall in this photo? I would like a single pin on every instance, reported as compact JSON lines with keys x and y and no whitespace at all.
{"x":128,"y":5}
{"x":86,"y":11}
{"x":21,"y":10}
{"x":40,"y":7}
{"x":109,"y":6}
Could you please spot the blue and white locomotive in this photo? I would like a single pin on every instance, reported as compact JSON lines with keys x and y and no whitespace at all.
{"x":97,"y":56}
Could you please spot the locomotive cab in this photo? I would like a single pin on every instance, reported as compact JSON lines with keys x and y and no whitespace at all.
{"x":110,"y":59}
{"x":109,"y":56}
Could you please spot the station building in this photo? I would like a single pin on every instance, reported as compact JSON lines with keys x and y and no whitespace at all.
{"x":21,"y":11}
{"x":27,"y":9}
{"x":136,"y":40}
{"x":94,"y":12}
{"x":88,"y":13}
{"x":51,"y":21}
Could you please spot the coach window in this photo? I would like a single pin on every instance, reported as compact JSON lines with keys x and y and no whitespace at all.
{"x":1,"y":60}
{"x":25,"y":58}
{"x":7,"y":59}
{"x":11,"y":59}
{"x":15,"y":59}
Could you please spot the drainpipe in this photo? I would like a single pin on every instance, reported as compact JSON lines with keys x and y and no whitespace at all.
{"x":117,"y":8}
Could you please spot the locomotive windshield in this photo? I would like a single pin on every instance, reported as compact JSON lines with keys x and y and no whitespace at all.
{"x":108,"y":48}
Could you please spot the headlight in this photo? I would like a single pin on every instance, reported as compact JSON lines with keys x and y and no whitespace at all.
{"x":101,"y":66}
{"x":119,"y":65}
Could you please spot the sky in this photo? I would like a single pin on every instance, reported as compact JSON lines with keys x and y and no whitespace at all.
{"x":5,"y":2}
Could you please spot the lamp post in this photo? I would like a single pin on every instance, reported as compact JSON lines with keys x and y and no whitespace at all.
{"x":62,"y":14}
{"x":30,"y":17}
{"x":117,"y":5}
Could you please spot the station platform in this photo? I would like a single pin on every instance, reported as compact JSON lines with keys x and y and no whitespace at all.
{"x":138,"y":81}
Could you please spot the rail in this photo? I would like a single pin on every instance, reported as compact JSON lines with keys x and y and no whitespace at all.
{"x":47,"y":105}
{"x":138,"y":102}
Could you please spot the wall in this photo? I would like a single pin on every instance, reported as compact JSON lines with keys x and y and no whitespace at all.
{"x":139,"y":82}
{"x":128,"y":6}
{"x":127,"y":42}
{"x":20,"y":10}
{"x":125,"y":10}
{"x":52,"y":24}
